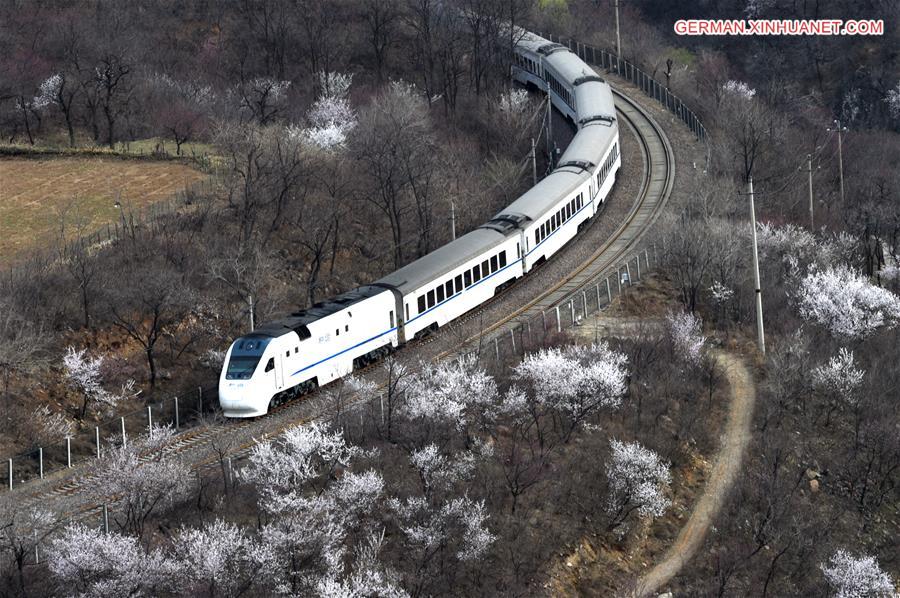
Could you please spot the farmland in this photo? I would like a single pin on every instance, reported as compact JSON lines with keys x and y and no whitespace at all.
{"x":40,"y":199}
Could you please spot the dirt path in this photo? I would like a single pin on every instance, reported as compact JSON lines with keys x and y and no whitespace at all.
{"x":728,"y":461}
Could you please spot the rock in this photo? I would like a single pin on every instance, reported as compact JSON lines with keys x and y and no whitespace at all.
{"x":812,"y":474}
{"x":814,"y":486}
{"x":665,"y":595}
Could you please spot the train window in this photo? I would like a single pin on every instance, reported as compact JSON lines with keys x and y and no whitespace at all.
{"x":430,"y":299}
{"x":568,"y":212}
{"x":407,"y":311}
{"x":422,"y":304}
{"x":484,"y":269}
{"x":518,"y":252}
{"x":337,"y":332}
{"x":287,"y":353}
{"x":449,"y":287}
{"x":467,"y":276}
{"x":270,"y":365}
{"x":392,"y":318}
{"x":458,"y":283}
{"x":503,"y":256}
{"x":440,"y":293}
{"x":493,"y":263}
{"x":346,"y":328}
{"x":296,"y":350}
{"x":476,"y":273}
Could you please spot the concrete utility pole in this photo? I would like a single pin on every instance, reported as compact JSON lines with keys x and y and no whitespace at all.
{"x":840,"y":130}
{"x":453,"y":214}
{"x":812,"y":225}
{"x":252,"y":314}
{"x":533,"y":163}
{"x":760,"y":335}
{"x":549,"y":126}
{"x":618,"y":38}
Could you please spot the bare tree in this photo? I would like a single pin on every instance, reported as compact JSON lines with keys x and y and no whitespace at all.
{"x":382,"y":18}
{"x":387,"y":144}
{"x":21,"y":345}
{"x":112,"y":78}
{"x":147,"y":306}
{"x":22,"y":530}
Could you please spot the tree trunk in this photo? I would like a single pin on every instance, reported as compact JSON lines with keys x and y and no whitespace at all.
{"x":24,"y":109}
{"x":151,"y":361}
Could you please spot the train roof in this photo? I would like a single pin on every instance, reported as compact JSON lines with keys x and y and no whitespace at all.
{"x":594,"y":100}
{"x":535,"y":202}
{"x":536,"y":44}
{"x":569,"y":66}
{"x":297,"y":321}
{"x":442,"y":260}
{"x":590,"y":144}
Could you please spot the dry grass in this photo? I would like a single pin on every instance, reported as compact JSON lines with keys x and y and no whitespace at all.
{"x":38,"y":196}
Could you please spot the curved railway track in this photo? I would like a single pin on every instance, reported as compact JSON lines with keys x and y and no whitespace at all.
{"x":195,"y":446}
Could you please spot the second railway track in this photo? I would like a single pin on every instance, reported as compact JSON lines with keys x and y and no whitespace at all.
{"x":67,"y":497}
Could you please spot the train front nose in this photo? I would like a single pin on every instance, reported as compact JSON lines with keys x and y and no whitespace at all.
{"x":237,"y":400}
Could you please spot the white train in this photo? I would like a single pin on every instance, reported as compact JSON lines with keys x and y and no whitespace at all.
{"x":315,"y":346}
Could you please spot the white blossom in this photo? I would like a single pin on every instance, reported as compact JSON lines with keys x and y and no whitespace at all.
{"x":639,"y":478}
{"x":857,"y":577}
{"x":201,"y":95}
{"x":368,"y":578}
{"x":461,"y":520}
{"x":331,"y":117}
{"x":303,"y":453}
{"x":85,"y":374}
{"x":576,"y":379}
{"x":839,"y":376}
{"x":686,"y":332}
{"x":893,"y":101}
{"x":720,"y":293}
{"x":514,"y":102}
{"x":46,"y":427}
{"x":798,"y":247}
{"x":846,"y":303}
{"x":437,"y":469}
{"x":141,"y":477}
{"x":313,"y":501}
{"x":334,"y":84}
{"x":275,"y":89}
{"x":739,"y":89}
{"x":220,"y":556}
{"x":48,"y":91}
{"x":851,"y":105}
{"x":444,"y":392}
{"x":88,"y":562}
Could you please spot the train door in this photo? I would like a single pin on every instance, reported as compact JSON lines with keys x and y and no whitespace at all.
{"x":279,"y":371}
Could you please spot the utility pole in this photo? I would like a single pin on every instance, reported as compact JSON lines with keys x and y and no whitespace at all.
{"x":840,"y":129}
{"x":533,"y":163}
{"x":453,"y":213}
{"x":549,"y":126}
{"x":618,"y":38}
{"x":812,"y":225}
{"x":252,"y":324}
{"x":760,"y":335}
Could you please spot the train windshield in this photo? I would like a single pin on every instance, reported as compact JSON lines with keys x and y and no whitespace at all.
{"x":245,"y":356}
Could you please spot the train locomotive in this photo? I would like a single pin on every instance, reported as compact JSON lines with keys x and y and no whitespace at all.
{"x":315,"y":346}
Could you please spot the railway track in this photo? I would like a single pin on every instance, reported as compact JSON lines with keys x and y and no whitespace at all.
{"x":197,"y":446}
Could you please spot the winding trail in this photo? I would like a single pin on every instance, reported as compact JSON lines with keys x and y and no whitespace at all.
{"x":728,"y":461}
